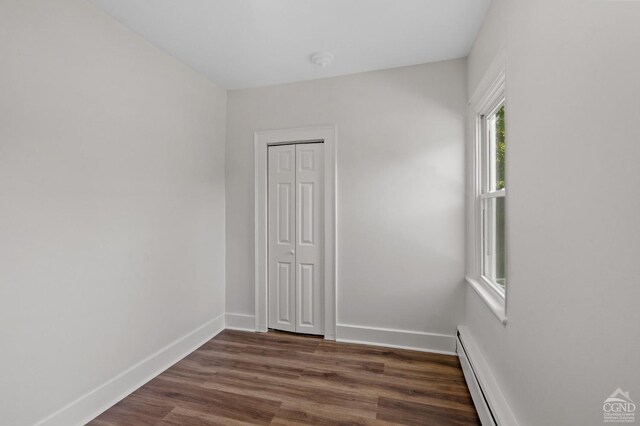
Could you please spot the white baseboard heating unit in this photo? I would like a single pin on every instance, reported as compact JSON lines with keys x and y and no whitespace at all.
{"x":479,"y":399}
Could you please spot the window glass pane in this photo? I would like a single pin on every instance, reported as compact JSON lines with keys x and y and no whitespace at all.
{"x":499,"y":147}
{"x":493,"y":241}
{"x":501,"y":251}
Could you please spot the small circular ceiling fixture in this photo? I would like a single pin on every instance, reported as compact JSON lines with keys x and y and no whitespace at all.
{"x":322,"y":59}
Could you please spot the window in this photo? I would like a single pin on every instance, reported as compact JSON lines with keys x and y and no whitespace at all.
{"x":492,"y":197}
{"x":487,"y":254}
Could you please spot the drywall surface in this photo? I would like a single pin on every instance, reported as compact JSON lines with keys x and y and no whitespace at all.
{"x":490,"y":40}
{"x":573,"y":188}
{"x":112,"y":189}
{"x":400,"y":161}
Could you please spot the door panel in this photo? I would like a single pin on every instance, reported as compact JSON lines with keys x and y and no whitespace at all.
{"x":285,"y":194}
{"x":284,"y":293}
{"x":281,"y":234}
{"x":306,"y":213}
{"x":309,"y":238}
{"x":305,"y":278}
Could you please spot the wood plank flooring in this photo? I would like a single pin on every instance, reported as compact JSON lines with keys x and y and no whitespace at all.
{"x":242,"y":378}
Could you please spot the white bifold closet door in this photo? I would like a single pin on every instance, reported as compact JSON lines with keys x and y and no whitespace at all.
{"x":296,"y":238}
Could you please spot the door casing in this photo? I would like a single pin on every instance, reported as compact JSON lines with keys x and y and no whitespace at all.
{"x":262,"y":140}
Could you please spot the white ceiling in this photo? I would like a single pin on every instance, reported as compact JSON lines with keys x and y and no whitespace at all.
{"x":249,"y":43}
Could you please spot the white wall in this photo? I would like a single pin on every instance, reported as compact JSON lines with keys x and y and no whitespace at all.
{"x":573,"y":129}
{"x":112,"y":192}
{"x":400,"y":190}
{"x":490,"y":39}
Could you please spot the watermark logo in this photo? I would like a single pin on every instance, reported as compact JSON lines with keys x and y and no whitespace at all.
{"x":619,"y":408}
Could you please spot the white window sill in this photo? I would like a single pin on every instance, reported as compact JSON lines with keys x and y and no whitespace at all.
{"x":494,"y":301}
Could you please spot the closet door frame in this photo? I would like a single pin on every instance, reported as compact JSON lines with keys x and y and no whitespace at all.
{"x":262,"y":140}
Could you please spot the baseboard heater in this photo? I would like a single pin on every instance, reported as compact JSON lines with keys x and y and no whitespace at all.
{"x":487,"y":417}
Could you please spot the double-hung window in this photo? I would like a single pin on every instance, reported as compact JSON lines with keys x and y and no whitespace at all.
{"x":487,"y":242}
{"x":492,"y":198}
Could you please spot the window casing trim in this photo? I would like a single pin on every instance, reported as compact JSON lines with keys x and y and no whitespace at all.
{"x":490,"y":95}
{"x":491,"y":298}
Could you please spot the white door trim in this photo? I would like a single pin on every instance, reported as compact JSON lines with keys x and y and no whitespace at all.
{"x":262,"y":139}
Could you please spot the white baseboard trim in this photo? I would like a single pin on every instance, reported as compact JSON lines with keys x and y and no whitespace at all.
{"x":401,"y":339}
{"x":95,"y":402}
{"x":241,"y":322}
{"x":482,"y":384}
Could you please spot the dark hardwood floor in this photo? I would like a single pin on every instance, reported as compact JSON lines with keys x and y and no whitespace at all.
{"x":241,"y":378}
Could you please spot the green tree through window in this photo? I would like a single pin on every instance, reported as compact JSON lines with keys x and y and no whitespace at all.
{"x":500,"y":202}
{"x":500,"y":148}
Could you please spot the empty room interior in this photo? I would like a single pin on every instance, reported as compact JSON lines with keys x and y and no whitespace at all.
{"x":319,"y":212}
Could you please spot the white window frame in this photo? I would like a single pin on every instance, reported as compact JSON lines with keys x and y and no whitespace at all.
{"x":486,"y":146}
{"x":488,"y":97}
